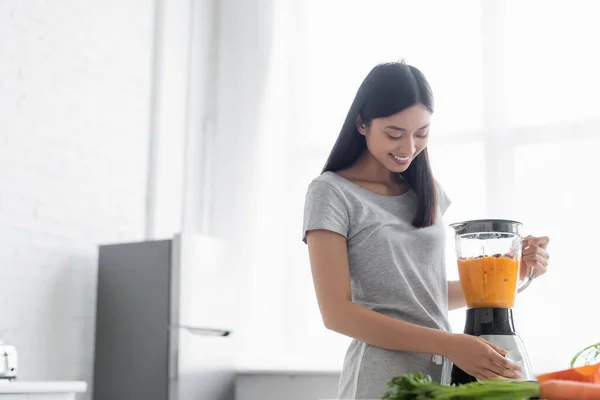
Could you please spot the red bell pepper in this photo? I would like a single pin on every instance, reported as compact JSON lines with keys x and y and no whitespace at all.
{"x":587,"y":373}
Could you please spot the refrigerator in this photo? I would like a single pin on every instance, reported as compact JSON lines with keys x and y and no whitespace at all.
{"x":164,"y":320}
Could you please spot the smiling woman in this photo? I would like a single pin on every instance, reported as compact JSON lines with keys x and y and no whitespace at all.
{"x":376,"y":243}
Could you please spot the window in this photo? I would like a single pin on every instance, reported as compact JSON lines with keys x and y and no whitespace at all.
{"x":558,"y":196}
{"x":551,"y":71}
{"x":346,"y":40}
{"x":546,"y":155}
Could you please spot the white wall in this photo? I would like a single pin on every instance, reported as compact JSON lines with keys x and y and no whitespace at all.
{"x":75,"y":84}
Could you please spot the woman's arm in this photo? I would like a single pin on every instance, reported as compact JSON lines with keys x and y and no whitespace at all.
{"x":456,"y":297}
{"x":329,"y":264}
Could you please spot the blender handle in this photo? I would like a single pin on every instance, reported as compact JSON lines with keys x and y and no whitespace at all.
{"x":527,"y":280}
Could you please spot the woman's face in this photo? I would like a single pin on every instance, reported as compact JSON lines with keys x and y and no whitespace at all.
{"x":396,"y":140}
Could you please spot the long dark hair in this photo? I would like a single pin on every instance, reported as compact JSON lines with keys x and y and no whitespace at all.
{"x":388,"y":89}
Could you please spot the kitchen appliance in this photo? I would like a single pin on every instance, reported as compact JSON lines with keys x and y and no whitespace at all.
{"x":490,"y":271}
{"x":164,"y":319}
{"x":8,"y":361}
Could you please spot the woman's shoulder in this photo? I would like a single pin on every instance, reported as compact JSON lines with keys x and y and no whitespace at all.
{"x":334,"y":183}
{"x":328,"y":177}
{"x":327,"y":183}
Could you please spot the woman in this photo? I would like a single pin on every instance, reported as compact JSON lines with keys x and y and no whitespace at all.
{"x":373,"y":225}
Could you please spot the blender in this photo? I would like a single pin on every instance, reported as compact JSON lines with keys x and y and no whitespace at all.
{"x":489,"y":266}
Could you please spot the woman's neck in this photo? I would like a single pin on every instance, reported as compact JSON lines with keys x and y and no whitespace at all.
{"x":369,"y":169}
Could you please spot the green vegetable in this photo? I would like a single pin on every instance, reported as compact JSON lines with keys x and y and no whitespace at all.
{"x":590,"y":355}
{"x":420,"y":387}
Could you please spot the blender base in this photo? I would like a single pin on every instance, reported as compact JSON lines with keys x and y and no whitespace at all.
{"x":496,"y":326}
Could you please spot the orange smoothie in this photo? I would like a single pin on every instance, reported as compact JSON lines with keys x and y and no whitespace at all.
{"x":489,"y":281}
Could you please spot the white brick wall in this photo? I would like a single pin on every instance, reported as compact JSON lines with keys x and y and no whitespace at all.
{"x":74,"y":117}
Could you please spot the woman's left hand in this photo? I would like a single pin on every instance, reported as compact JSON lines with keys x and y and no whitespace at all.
{"x":535,"y":255}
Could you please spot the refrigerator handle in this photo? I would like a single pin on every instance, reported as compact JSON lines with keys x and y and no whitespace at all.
{"x":205,"y":331}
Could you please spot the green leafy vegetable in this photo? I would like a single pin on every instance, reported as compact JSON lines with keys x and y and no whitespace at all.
{"x":420,"y":387}
{"x":590,"y":355}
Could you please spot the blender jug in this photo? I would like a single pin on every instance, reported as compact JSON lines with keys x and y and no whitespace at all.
{"x":489,"y":262}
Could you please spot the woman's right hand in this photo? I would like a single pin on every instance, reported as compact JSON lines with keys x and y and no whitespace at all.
{"x":480,"y":358}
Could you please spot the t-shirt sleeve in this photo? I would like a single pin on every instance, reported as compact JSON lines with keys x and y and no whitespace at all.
{"x":443,"y":199}
{"x":325,"y":208}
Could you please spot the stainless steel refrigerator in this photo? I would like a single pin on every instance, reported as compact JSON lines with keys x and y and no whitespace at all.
{"x":164,"y":320}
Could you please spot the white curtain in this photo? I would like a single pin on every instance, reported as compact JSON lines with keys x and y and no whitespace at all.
{"x":515,"y":135}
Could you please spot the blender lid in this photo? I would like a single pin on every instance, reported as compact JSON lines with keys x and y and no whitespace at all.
{"x":487,"y":226}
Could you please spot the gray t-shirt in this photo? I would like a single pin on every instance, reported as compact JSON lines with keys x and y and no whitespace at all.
{"x":395,"y":269}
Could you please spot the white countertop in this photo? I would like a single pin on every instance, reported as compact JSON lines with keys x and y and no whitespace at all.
{"x":18,"y":386}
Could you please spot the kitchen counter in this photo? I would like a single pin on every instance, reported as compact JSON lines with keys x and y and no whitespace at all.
{"x":41,"y":390}
{"x":286,"y":383}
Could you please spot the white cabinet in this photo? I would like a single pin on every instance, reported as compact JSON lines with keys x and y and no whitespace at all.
{"x":28,"y":390}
